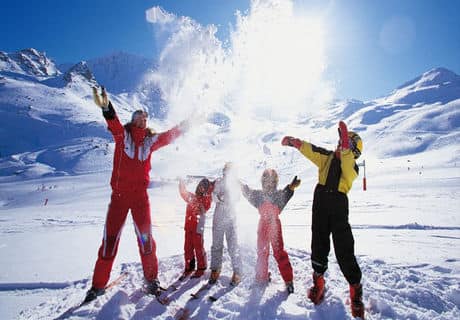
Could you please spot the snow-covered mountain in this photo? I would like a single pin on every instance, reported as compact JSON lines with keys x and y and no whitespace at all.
{"x":120,"y":72}
{"x":50,"y":129}
{"x":43,"y":110}
{"x":28,"y":62}
{"x":423,"y":114}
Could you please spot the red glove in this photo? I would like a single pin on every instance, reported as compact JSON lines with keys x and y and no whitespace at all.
{"x":343,"y":132}
{"x":291,"y":142}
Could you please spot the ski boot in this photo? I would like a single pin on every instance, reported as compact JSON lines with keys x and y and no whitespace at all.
{"x":214,"y":276}
{"x":153,"y":287}
{"x":198,"y":273}
{"x":236,"y":279}
{"x":290,"y":287}
{"x":189,"y":268}
{"x":316,"y":293}
{"x":93,"y":293}
{"x":356,"y":297}
{"x":263,"y":282}
{"x":186,"y":273}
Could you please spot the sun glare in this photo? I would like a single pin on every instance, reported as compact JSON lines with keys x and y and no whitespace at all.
{"x":280,"y":57}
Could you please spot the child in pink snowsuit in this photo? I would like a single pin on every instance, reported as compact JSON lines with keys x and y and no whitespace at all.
{"x":270,"y":201}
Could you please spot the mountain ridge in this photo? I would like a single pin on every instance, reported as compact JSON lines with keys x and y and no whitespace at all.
{"x":57,"y":109}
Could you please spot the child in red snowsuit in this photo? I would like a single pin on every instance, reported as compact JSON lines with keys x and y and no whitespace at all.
{"x":134,"y":144}
{"x":270,"y":202}
{"x":197,"y":205}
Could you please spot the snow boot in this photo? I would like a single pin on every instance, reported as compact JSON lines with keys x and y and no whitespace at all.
{"x":186,"y":273}
{"x":153,"y":287}
{"x":290,"y":287}
{"x":93,"y":293}
{"x":214,"y":276}
{"x":316,"y":293}
{"x":198,"y":273}
{"x":236,"y":279}
{"x":188,"y":269}
{"x":262,"y":282}
{"x":356,"y":297}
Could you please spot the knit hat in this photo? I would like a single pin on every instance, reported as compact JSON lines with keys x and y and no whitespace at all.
{"x":137,"y":113}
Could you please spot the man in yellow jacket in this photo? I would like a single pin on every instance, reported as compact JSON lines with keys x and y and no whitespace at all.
{"x":336,"y":172}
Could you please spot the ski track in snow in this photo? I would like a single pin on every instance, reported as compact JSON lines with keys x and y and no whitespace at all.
{"x":419,"y":291}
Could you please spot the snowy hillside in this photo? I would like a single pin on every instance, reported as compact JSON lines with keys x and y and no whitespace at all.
{"x":56,"y":158}
{"x":54,"y":110}
{"x":406,"y":231}
{"x":423,"y":114}
{"x":45,"y":112}
{"x":120,"y":72}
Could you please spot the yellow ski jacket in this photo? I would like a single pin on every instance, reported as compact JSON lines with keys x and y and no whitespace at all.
{"x":333,"y":173}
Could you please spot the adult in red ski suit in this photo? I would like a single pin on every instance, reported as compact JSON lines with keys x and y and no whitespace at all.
{"x":195,"y":218}
{"x":134,"y":144}
{"x":270,"y":202}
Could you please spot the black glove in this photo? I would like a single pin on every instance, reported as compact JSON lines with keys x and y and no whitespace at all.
{"x":294,"y":183}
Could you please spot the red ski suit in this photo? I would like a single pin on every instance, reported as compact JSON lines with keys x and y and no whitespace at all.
{"x":130,"y":178}
{"x":269,"y":231}
{"x":194,"y":226}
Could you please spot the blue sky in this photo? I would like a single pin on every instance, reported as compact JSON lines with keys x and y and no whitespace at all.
{"x":372,"y":46}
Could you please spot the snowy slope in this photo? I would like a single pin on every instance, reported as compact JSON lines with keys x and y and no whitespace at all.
{"x":420,"y":115}
{"x":423,"y":114}
{"x":410,"y":270}
{"x":56,"y":157}
{"x":45,"y":113}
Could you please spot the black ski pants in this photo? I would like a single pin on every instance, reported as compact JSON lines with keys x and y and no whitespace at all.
{"x":330,"y":215}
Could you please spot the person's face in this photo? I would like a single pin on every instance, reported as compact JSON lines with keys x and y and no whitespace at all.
{"x":140,"y":121}
{"x":269,"y":183}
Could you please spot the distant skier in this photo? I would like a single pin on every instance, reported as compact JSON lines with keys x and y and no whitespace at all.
{"x":226,"y":193}
{"x":336,"y":170}
{"x":270,"y":202}
{"x":195,"y":218}
{"x":134,"y":144}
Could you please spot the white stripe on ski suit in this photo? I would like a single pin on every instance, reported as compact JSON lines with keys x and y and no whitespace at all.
{"x":139,"y":237}
{"x":104,"y":251}
{"x":144,"y":148}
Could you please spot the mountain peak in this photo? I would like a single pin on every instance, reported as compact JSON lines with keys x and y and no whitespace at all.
{"x":28,"y":61}
{"x":80,"y":69}
{"x":435,"y":76}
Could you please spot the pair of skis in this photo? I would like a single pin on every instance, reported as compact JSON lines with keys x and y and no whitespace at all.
{"x":109,"y":286}
{"x":165,"y":300}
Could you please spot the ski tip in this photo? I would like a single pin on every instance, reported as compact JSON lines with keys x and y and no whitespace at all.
{"x":163,"y":301}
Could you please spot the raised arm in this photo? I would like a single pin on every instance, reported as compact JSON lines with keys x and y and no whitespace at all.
{"x":253,"y":196}
{"x":349,"y":167}
{"x":187,"y":196}
{"x":286,"y":194}
{"x":165,"y":138}
{"x":110,"y":116}
{"x":315,"y":154}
